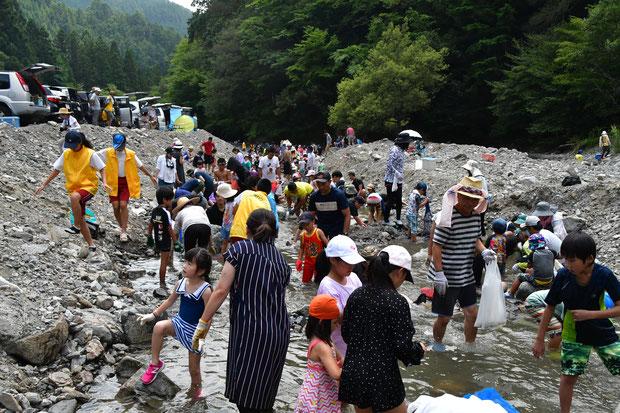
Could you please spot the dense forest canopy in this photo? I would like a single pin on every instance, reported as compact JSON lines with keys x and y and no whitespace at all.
{"x":162,"y":12}
{"x":497,"y":72}
{"x":93,"y":46}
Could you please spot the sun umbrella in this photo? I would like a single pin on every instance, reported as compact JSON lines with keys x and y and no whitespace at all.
{"x":184,"y":123}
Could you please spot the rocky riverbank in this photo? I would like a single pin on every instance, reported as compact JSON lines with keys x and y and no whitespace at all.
{"x":517,"y":181}
{"x":68,"y":324}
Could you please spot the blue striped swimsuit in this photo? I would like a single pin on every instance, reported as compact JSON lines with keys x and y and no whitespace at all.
{"x":191,"y":309}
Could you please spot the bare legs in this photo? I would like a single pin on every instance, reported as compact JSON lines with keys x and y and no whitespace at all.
{"x":78,"y":217}
{"x":441,"y":323}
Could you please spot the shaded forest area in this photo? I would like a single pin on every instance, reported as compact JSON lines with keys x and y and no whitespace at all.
{"x":93,"y":46}
{"x":504,"y":73}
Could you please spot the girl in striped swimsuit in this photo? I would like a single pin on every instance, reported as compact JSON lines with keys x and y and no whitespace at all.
{"x":188,"y":326}
{"x":319,"y":391}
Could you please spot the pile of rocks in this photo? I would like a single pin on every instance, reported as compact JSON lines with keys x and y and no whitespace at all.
{"x":67,"y":323}
{"x":517,"y":181}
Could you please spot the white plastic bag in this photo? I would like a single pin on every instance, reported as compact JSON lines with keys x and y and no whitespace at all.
{"x":492,"y":310}
{"x":558,"y":225}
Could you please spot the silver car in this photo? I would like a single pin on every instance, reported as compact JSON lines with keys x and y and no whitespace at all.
{"x":21,"y":93}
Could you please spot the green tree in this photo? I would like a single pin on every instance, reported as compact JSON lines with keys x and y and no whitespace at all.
{"x":398,"y":79}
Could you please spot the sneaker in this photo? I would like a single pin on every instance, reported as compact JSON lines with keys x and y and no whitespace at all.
{"x":92,"y":248}
{"x":72,"y":230}
{"x":151,"y":372}
{"x":399,"y":222}
{"x":124,"y":237}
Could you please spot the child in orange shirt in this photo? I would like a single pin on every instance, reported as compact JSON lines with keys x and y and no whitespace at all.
{"x":313,"y":240}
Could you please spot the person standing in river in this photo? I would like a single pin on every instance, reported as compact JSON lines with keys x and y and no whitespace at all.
{"x":121,"y":168}
{"x":256,"y":275}
{"x":455,"y":241}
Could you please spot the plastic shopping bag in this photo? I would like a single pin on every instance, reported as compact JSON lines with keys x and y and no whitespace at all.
{"x":492,"y":310}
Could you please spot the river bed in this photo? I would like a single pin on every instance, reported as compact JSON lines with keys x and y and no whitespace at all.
{"x":500,"y":358}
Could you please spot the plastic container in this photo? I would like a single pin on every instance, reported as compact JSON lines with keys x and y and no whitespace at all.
{"x":11,"y":120}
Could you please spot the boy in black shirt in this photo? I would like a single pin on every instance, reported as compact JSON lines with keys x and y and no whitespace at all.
{"x":581,"y":287}
{"x":161,"y":227}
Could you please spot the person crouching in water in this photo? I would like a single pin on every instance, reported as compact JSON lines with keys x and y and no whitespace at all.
{"x":80,"y":164}
{"x":319,"y":391}
{"x":371,"y":379}
{"x":188,"y":326}
{"x":121,"y":167}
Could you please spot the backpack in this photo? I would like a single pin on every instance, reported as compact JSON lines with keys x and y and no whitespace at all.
{"x":571,"y":180}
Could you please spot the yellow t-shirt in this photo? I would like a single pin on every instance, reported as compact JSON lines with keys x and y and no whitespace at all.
{"x":250,"y":201}
{"x":304,"y":189}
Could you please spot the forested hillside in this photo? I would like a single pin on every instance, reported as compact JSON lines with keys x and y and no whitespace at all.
{"x":162,"y":12}
{"x":502,"y":72}
{"x":93,"y":46}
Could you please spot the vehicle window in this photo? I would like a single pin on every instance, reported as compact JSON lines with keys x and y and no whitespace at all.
{"x":5,"y":83}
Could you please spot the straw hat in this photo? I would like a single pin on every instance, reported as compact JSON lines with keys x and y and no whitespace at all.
{"x":177,"y":144}
{"x":225,"y":190}
{"x":64,"y":111}
{"x":472,"y":166}
{"x":471,"y":187}
{"x":181,"y":202}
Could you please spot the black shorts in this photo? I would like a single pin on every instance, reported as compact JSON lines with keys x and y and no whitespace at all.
{"x":444,"y":305}
{"x":209,"y":159}
{"x":163,"y":243}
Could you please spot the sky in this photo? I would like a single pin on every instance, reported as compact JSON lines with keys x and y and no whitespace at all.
{"x":185,"y":3}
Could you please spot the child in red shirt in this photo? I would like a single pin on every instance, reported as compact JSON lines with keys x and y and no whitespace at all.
{"x":313,"y":240}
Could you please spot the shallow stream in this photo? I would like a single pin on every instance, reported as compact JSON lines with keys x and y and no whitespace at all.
{"x":500,"y":358}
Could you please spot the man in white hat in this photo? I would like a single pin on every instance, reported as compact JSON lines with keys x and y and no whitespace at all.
{"x":455,"y":242}
{"x":605,"y":144}
{"x":95,"y":105}
{"x":471,"y":167}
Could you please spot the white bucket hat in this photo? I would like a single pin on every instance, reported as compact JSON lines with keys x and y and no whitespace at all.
{"x":225,"y":190}
{"x":472,"y":166}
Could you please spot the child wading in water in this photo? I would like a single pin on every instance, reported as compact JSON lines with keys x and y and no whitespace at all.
{"x":581,"y":287}
{"x":418,"y":199}
{"x":187,"y":326}
{"x":319,"y":391}
{"x":312,"y":241}
{"x":161,"y":229}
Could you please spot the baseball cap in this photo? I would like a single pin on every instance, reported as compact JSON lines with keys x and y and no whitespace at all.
{"x":118,"y":140}
{"x":520,"y":219}
{"x":323,"y":177}
{"x":324,"y":307}
{"x":530,"y":221}
{"x":306,"y":217}
{"x":73,"y":139}
{"x":311,"y":172}
{"x":400,"y":257}
{"x":344,"y":248}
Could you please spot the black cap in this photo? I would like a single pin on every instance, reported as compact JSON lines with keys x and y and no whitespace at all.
{"x":323,"y":177}
{"x":73,"y":139}
{"x":169,"y":149}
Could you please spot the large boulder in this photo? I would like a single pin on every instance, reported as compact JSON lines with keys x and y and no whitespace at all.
{"x":127,"y":367}
{"x":162,"y":386}
{"x":103,"y":325}
{"x":64,"y":406}
{"x":135,"y":333}
{"x":42,"y":348}
{"x":574,"y":223}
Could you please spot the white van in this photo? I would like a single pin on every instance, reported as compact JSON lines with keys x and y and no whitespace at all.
{"x":21,"y":93}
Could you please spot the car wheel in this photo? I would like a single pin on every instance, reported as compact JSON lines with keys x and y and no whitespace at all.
{"x":4,"y":109}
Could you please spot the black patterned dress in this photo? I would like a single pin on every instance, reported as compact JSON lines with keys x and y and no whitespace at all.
{"x":378,"y":330}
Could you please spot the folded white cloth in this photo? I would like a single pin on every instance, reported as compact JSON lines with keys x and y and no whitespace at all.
{"x":452,"y":404}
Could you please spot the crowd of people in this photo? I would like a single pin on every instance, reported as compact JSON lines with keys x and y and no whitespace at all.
{"x":359,"y":326}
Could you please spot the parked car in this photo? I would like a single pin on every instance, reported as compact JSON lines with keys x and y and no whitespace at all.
{"x":163,"y":114}
{"x":54,"y":101}
{"x":124,"y":111}
{"x":21,"y":93}
{"x":76,"y":104}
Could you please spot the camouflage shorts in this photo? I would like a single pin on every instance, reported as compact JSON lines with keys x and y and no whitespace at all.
{"x":575,"y":357}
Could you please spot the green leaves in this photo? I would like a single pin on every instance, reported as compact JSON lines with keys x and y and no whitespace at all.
{"x":398,"y":79}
